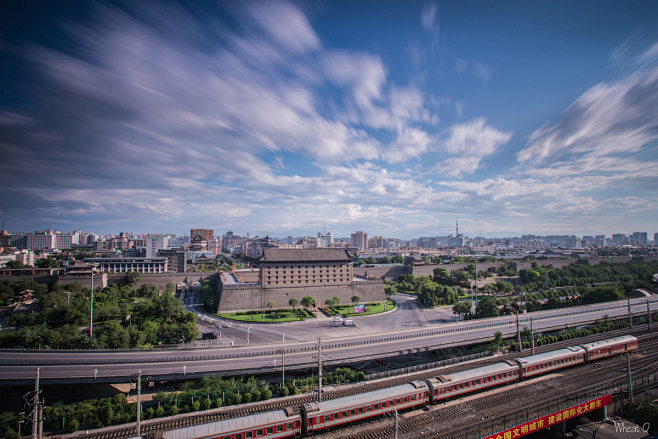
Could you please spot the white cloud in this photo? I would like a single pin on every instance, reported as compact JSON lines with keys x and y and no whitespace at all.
{"x":470,"y":143}
{"x":286,"y":24}
{"x":610,"y":118}
{"x":428,"y":16}
{"x":362,"y":72}
{"x":483,"y":71}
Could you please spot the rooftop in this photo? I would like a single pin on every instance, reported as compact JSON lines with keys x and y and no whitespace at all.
{"x":305,"y":255}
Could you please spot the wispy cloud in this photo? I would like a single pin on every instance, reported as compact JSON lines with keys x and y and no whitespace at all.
{"x":469,"y":143}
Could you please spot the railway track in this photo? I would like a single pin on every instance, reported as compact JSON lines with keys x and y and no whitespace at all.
{"x":510,"y":401}
{"x":191,"y":419}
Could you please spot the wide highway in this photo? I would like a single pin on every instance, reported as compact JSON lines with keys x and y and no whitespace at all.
{"x":19,"y":366}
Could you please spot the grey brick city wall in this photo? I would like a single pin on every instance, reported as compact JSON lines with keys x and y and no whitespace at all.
{"x":248,"y":297}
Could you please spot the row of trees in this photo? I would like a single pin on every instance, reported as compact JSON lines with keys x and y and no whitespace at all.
{"x":630,"y":275}
{"x":204,"y":394}
{"x":430,"y":292}
{"x":124,"y":317}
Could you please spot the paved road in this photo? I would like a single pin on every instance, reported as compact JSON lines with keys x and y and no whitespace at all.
{"x":344,"y":344}
{"x":408,"y":314}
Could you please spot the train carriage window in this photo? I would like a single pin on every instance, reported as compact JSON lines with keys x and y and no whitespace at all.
{"x":259,"y":432}
{"x":238,"y":436}
{"x":344,"y":415}
{"x":376,"y":406}
{"x":368,"y":408}
{"x":327,"y":418}
{"x":270,"y":430}
{"x":279,"y":428}
{"x":249,"y":435}
{"x":360,"y":409}
{"x":398,"y":401}
{"x":352,"y":412}
{"x":406,"y":399}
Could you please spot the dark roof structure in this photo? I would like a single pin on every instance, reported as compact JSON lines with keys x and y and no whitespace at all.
{"x":305,"y":255}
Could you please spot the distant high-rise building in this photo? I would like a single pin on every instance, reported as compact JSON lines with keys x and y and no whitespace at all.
{"x":655,"y":239}
{"x":154,"y":243}
{"x":325,"y":239}
{"x":618,"y":239}
{"x":227,"y":240}
{"x":176,"y":259}
{"x":639,"y":239}
{"x":41,"y":240}
{"x":574,"y":242}
{"x":600,"y":240}
{"x":360,"y":239}
{"x":377,"y":242}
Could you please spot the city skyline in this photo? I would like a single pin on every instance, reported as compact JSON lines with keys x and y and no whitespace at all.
{"x":286,"y":118}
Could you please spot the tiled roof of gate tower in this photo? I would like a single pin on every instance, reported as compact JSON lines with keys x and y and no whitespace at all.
{"x":305,"y":255}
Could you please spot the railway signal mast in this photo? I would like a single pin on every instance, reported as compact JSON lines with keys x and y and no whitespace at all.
{"x":319,"y":355}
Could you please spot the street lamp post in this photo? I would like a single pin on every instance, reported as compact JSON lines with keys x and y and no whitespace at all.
{"x":249,"y":329}
{"x":91,"y":303}
{"x":476,"y":286}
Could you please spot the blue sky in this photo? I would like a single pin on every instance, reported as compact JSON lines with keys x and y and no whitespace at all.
{"x":287,"y":118}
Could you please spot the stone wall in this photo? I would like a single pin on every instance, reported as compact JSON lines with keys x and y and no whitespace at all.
{"x":248,"y":297}
{"x":386,"y":272}
{"x":248,"y":275}
{"x":158,"y":279}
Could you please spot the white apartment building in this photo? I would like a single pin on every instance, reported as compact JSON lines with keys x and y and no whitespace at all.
{"x":41,"y":240}
{"x":154,"y":243}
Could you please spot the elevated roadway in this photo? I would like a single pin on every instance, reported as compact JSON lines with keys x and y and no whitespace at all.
{"x":19,"y":366}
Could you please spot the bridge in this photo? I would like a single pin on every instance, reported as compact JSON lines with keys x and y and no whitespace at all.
{"x":19,"y":366}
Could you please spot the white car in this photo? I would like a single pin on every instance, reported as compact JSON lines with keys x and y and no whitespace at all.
{"x":337,"y":321}
{"x":349,"y":323}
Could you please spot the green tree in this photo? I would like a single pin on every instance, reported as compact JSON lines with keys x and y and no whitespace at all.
{"x":293,"y":303}
{"x":441,"y":276}
{"x":462,"y":308}
{"x":130,"y":279}
{"x":355,"y":299}
{"x":308,"y":301}
{"x":486,"y":307}
{"x":270,"y":304}
{"x":47,"y":263}
{"x":14,"y":264}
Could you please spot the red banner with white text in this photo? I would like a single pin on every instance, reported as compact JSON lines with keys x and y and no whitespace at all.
{"x":555,"y":418}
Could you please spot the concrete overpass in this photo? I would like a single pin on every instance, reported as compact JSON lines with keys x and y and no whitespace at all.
{"x":19,"y":366}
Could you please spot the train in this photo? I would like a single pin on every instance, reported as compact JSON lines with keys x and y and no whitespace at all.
{"x":314,"y":417}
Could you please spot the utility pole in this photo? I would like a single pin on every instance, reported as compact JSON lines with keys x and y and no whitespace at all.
{"x":35,"y":404}
{"x":630,"y":316}
{"x":630,"y":378}
{"x":532,"y":335}
{"x":519,"y":347}
{"x":319,"y":369}
{"x":476,"y":286}
{"x":41,"y":419}
{"x":139,"y":403}
{"x":91,"y":303}
{"x":283,"y":368}
{"x":649,"y":315}
{"x":395,"y":412}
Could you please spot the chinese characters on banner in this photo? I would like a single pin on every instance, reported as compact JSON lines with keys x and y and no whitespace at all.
{"x":555,"y":418}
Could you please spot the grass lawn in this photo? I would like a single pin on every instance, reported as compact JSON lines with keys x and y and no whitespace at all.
{"x":275,"y":316}
{"x":371,"y":308}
